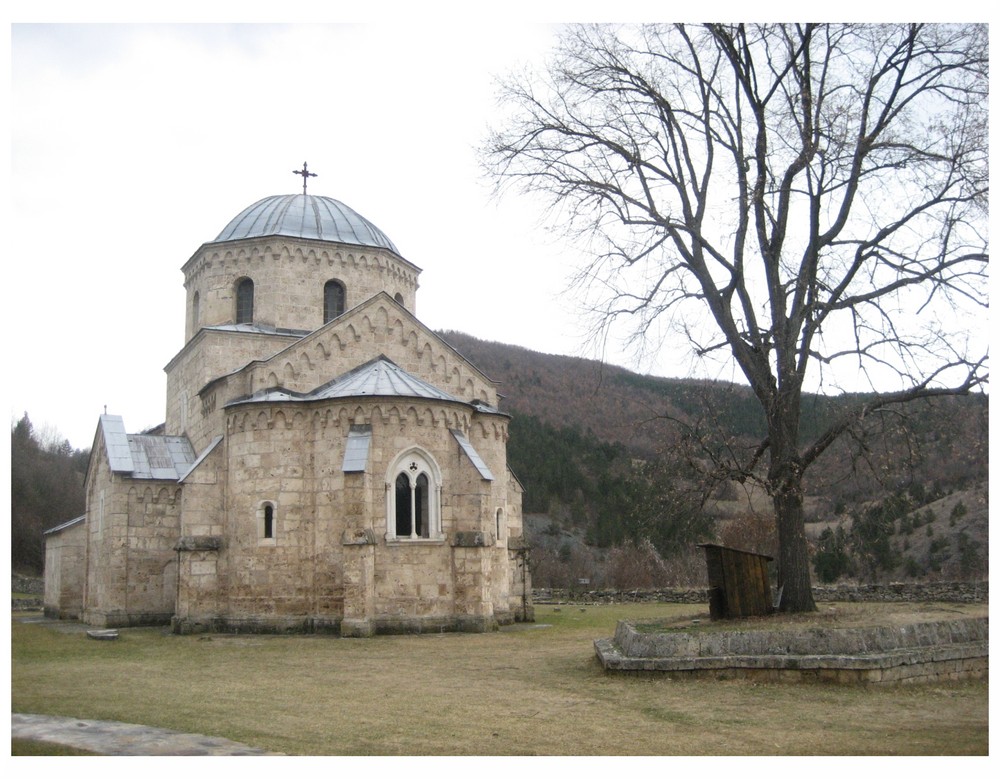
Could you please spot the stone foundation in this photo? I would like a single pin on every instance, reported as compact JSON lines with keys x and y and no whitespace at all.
{"x":347,"y":628}
{"x":922,"y":652}
{"x":122,"y":619}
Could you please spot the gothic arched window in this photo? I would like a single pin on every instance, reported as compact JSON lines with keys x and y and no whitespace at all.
{"x":413,"y":498}
{"x":244,"y":301}
{"x":334,"y":298}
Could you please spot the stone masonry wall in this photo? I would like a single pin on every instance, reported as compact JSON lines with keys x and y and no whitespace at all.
{"x":288,"y":276}
{"x":947,"y":592}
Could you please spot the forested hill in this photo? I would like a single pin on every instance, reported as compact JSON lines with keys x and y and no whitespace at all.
{"x":578,"y":405}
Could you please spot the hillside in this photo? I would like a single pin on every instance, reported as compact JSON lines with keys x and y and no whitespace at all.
{"x":580,"y":426}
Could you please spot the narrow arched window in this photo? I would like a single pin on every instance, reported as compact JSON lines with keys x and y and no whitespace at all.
{"x":421,"y":505}
{"x":195,"y":313}
{"x":399,"y":298}
{"x":244,"y":301}
{"x":334,"y":297}
{"x":267,"y":523}
{"x":404,"y":507}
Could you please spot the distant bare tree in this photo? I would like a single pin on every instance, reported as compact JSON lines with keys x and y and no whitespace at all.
{"x":794,"y":198}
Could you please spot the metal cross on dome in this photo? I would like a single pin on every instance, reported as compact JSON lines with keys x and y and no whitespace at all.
{"x":305,"y":175}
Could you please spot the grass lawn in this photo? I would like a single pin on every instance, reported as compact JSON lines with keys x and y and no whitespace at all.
{"x":527,"y":690}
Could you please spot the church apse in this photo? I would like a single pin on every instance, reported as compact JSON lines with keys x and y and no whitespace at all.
{"x":327,"y":463}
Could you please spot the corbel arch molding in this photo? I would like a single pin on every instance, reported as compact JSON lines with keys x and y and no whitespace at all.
{"x":321,"y":349}
{"x":166,"y":495}
{"x":427,"y":418}
{"x":234,"y":422}
{"x":286,"y":253}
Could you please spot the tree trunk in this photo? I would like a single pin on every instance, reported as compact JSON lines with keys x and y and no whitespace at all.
{"x":794,"y":580}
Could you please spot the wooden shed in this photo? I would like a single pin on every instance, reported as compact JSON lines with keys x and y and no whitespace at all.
{"x":737,"y":582}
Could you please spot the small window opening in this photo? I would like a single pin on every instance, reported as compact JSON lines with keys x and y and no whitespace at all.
{"x":244,"y":302}
{"x":269,"y":521}
{"x":334,"y":297}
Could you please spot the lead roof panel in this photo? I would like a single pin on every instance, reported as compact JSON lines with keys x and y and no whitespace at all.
{"x":116,"y":443}
{"x":473,"y":455}
{"x":359,"y":440}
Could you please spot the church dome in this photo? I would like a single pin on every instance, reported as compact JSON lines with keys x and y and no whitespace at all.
{"x":305,"y":216}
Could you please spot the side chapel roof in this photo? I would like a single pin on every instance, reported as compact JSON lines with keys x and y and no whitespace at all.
{"x":144,"y":456}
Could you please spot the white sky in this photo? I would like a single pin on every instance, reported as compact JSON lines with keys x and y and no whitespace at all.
{"x":133,"y":144}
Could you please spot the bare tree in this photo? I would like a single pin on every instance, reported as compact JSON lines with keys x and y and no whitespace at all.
{"x":800,"y":199}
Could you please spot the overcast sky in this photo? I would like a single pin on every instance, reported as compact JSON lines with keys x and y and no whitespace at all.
{"x":133,"y":144}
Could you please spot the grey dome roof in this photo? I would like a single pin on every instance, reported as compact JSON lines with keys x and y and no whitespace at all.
{"x":305,"y":216}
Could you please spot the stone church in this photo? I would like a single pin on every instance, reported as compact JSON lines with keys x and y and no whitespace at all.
{"x":327,"y":463}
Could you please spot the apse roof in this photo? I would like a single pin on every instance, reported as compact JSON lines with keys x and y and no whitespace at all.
{"x":305,"y":216}
{"x":380,"y":377}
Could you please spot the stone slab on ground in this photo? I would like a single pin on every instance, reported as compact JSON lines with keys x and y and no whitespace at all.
{"x":122,"y":738}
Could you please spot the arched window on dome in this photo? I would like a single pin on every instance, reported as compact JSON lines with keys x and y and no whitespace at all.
{"x":413,"y":499}
{"x":334,"y":298}
{"x":244,"y":301}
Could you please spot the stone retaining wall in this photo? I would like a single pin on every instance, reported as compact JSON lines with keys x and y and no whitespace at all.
{"x":29,"y":591}
{"x":939,"y":592}
{"x":921,"y":652}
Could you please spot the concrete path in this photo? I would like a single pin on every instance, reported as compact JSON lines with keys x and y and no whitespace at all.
{"x":121,"y":738}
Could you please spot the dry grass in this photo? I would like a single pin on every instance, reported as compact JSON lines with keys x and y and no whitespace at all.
{"x":527,"y":690}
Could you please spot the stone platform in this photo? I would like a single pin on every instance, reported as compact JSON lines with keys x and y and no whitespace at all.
{"x":943,"y":650}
